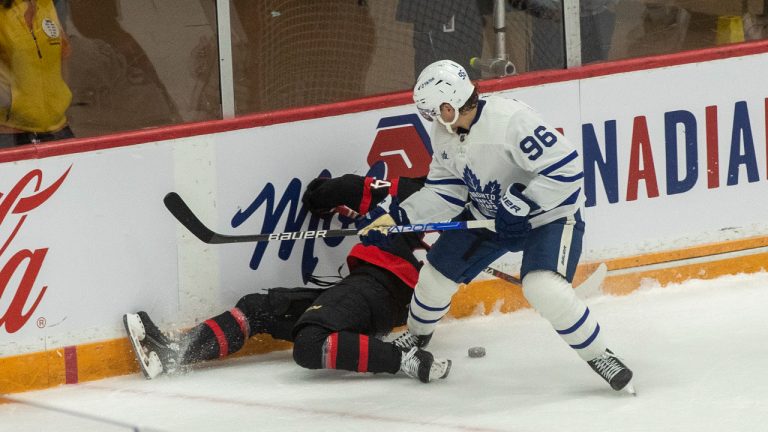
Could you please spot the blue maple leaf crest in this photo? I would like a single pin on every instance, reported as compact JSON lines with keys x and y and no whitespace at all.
{"x":486,"y":198}
{"x":471,"y":180}
{"x":493,"y":188}
{"x":473,"y":183}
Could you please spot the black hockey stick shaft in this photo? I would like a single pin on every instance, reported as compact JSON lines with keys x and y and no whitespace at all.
{"x":501,"y":275}
{"x":184,"y":214}
{"x":181,"y":211}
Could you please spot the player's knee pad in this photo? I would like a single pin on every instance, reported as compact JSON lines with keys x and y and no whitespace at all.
{"x":316,"y":347}
{"x":276,"y":311}
{"x":291,"y":301}
{"x":550,"y":294}
{"x":554,"y":298}
{"x":431,"y":300}
{"x":308,"y":347}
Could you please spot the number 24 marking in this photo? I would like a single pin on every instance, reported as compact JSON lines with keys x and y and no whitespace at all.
{"x":532,"y":145}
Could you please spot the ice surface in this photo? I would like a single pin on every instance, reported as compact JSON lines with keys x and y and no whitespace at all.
{"x":697,"y":349}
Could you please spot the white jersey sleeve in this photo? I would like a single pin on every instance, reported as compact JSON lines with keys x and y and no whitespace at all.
{"x":557,"y":166}
{"x":442,"y":197}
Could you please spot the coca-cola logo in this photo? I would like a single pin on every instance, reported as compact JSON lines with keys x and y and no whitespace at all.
{"x":15,"y":206}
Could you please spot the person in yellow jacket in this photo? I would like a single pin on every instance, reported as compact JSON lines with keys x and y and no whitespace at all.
{"x":33,"y":95}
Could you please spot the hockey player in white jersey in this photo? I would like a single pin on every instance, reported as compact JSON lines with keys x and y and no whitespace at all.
{"x":496,"y":158}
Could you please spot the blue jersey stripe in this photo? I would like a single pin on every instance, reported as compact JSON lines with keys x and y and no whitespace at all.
{"x":424,"y":321}
{"x":571,"y":200}
{"x":448,"y":181}
{"x":559,"y":164}
{"x":567,"y":179}
{"x":429,"y":308}
{"x":452,"y":200}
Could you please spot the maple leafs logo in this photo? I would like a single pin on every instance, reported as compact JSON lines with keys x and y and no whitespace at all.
{"x":486,"y":198}
{"x":493,"y":188}
{"x":471,"y":180}
{"x":473,"y":183}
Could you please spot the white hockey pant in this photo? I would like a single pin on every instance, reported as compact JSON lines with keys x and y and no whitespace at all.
{"x":431,"y":300}
{"x":554,"y":298}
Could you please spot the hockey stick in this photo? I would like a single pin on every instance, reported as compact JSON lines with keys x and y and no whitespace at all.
{"x":590,"y":287}
{"x":181,"y":211}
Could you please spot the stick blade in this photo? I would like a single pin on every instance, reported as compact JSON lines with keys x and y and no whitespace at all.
{"x":592,"y":287}
{"x":181,"y":211}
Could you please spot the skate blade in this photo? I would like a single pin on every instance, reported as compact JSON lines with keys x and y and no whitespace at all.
{"x":134,"y":327}
{"x":447,"y":369}
{"x":149,"y":363}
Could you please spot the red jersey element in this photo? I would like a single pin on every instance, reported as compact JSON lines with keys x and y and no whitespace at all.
{"x":362,"y":360}
{"x":221,"y":338}
{"x":365,"y":201}
{"x":393,"y":188}
{"x":242,"y":321}
{"x":400,"y":267}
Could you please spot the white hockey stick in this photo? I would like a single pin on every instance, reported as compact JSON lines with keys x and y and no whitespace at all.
{"x":591,"y":286}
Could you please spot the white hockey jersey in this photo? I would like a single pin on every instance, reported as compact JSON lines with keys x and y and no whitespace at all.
{"x":507,"y":143}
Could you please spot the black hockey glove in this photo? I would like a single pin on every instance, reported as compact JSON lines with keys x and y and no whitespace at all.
{"x":324,"y":194}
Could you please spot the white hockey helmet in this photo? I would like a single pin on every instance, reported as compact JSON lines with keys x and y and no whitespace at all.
{"x":443,"y":81}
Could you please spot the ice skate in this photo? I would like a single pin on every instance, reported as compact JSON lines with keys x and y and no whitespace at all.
{"x":613,"y":371}
{"x":421,"y":364}
{"x":408,"y":340}
{"x":155,"y":352}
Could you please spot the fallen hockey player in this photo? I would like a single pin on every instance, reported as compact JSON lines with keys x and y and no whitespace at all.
{"x":333,"y":328}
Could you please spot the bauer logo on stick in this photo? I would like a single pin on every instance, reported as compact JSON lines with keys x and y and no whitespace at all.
{"x":299,"y":235}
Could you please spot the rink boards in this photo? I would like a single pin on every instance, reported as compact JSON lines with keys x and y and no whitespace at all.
{"x":675,"y":176}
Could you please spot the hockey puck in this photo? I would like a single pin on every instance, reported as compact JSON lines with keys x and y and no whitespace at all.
{"x":476,"y":352}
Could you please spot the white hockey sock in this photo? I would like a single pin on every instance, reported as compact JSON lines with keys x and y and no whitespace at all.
{"x":431,"y":300}
{"x":554,"y":298}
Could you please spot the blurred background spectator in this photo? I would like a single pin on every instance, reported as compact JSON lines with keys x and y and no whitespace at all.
{"x":116,"y":86}
{"x":547,"y":51}
{"x":33,"y":95}
{"x":445,"y":29}
{"x":144,"y":63}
